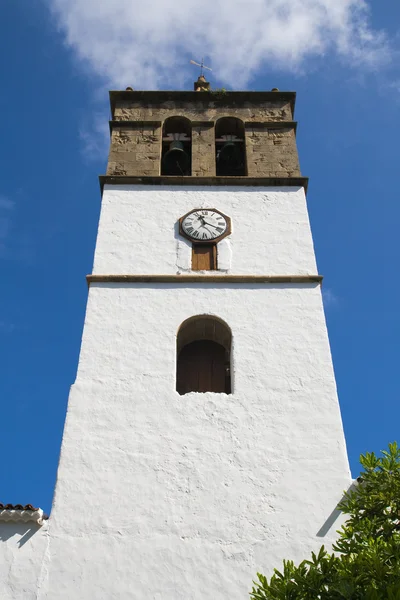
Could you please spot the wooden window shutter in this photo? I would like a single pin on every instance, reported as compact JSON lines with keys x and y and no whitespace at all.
{"x":203,"y":347}
{"x":204,"y":257}
{"x":202,"y":368}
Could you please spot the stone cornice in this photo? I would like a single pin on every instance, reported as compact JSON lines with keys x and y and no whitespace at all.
{"x":152,"y":124}
{"x":124,"y":124}
{"x":204,"y":181}
{"x":183,"y":279}
{"x":270,"y":125}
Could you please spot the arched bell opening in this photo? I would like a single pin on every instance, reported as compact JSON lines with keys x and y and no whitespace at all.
{"x":176,"y":153}
{"x":204,"y":356}
{"x":230,"y":150}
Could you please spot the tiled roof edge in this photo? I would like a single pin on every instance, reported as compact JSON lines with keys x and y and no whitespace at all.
{"x":18,"y":513}
{"x":17,"y":507}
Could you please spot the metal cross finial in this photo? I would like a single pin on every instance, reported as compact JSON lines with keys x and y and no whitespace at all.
{"x":201,"y":65}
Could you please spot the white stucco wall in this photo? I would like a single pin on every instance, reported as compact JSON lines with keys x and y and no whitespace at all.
{"x":22,"y":550}
{"x":138,"y":230}
{"x":168,"y":497}
{"x":186,"y":497}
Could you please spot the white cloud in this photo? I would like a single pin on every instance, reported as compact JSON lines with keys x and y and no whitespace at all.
{"x":148,"y":43}
{"x":329,"y":297}
{"x":95,"y":136}
{"x":6,"y":203}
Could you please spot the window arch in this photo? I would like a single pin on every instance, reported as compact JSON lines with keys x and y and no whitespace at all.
{"x":203,"y":356}
{"x":176,"y":153}
{"x":230,"y":152}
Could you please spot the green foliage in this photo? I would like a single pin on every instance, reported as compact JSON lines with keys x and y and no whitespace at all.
{"x":367,"y":563}
{"x":219,"y":92}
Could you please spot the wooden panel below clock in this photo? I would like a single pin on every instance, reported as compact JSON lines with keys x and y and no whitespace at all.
{"x":204,"y":257}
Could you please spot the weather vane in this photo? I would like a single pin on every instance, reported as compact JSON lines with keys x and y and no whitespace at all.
{"x":201,"y":65}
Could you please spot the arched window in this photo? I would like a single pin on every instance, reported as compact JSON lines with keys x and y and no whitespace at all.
{"x":176,"y":154}
{"x":230,"y":151}
{"x":203,"y":356}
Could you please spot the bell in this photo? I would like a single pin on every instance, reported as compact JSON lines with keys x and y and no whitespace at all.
{"x":176,"y":161}
{"x":229,"y":158}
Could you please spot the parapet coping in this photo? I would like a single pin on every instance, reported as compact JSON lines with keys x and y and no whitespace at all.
{"x":225,"y":98}
{"x":191,"y":180}
{"x":201,"y":278}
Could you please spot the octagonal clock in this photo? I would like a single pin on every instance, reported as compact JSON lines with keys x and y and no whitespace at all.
{"x":205,"y":225}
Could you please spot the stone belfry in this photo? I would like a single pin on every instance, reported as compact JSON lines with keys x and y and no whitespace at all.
{"x":141,"y":123}
{"x":203,"y":439}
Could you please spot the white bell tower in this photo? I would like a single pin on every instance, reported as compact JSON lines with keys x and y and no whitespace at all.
{"x":203,"y":440}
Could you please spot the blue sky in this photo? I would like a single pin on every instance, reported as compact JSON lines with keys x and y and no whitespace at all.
{"x":62,"y":56}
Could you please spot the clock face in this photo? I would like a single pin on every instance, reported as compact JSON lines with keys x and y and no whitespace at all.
{"x":204,"y":224}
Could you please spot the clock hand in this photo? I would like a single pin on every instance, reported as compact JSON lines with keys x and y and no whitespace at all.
{"x":204,"y":222}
